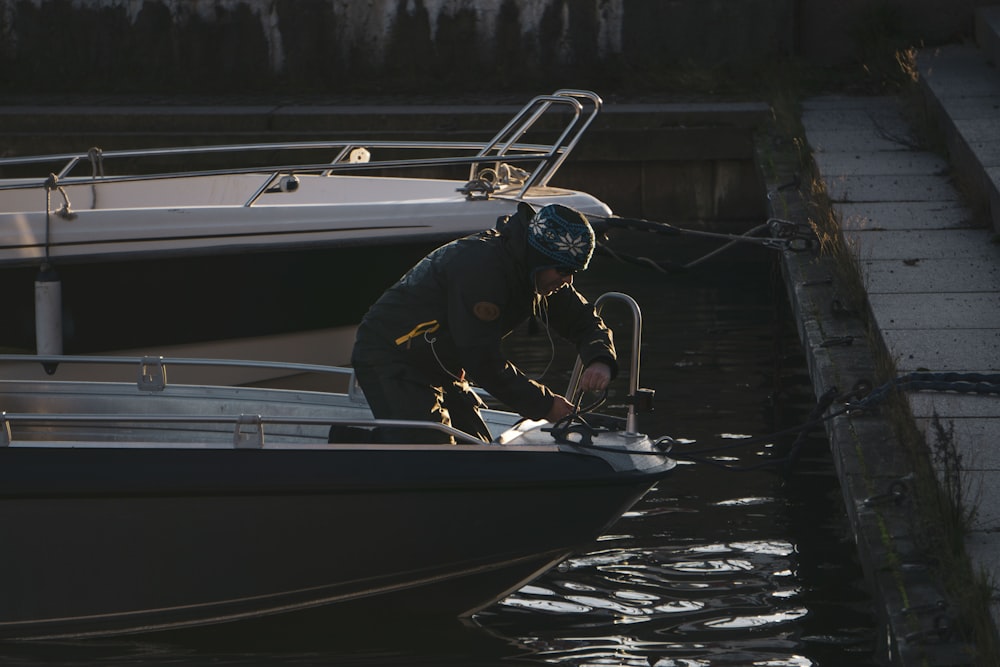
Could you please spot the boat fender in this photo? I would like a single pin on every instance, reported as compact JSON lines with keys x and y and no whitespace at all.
{"x":48,"y":315}
{"x":288,"y":183}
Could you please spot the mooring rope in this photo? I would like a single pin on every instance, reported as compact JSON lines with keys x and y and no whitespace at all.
{"x":786,"y":236}
{"x":96,"y":157}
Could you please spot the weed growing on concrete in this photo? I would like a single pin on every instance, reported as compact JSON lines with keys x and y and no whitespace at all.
{"x":956,"y":506}
{"x":949,"y":460}
{"x":946,"y":512}
{"x":940,"y":493}
{"x":849,"y":276}
{"x":883,"y":45}
{"x":906,"y":60}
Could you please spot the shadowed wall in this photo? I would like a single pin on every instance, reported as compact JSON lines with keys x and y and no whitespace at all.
{"x":375,"y":45}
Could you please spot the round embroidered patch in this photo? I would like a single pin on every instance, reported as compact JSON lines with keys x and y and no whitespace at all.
{"x":486,"y":311}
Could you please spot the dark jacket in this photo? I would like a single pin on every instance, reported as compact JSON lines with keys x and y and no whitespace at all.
{"x":447,"y":316}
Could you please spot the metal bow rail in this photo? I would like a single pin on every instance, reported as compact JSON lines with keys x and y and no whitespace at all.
{"x":534,"y":164}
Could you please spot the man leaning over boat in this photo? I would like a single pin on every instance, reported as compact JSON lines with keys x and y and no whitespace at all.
{"x":441,"y":325}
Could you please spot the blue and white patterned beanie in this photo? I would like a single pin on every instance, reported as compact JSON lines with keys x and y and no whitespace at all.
{"x":563,"y":236}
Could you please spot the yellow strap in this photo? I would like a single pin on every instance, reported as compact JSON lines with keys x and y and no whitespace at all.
{"x":419,"y":330}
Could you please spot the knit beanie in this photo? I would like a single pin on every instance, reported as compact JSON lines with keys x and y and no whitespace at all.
{"x":562,"y":237}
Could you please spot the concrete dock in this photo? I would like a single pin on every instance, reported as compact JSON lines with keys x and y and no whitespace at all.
{"x":921,"y":227}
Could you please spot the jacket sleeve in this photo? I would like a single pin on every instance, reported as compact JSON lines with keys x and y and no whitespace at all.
{"x":575,"y":319}
{"x":488,"y":368}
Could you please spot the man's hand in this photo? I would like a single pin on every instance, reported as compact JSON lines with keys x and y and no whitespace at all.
{"x":595,"y":377}
{"x":560,"y":408}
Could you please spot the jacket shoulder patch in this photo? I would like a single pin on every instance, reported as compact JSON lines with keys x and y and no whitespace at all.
{"x":486,"y":311}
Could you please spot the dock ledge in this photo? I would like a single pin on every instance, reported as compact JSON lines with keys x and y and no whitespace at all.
{"x":920,"y":227}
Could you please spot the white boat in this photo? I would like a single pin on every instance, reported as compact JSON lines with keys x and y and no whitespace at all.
{"x":266,"y":251}
{"x":151,"y":505}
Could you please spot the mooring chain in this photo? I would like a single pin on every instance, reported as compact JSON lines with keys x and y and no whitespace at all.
{"x":860,"y":397}
{"x":964,"y":383}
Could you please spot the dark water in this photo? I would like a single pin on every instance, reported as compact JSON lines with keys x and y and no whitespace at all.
{"x":715,"y":567}
{"x":712,"y":568}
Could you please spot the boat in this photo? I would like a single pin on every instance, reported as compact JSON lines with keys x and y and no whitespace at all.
{"x":145,"y":504}
{"x":261,"y":251}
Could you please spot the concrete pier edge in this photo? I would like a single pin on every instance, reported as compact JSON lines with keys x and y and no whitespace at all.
{"x":875,"y":470}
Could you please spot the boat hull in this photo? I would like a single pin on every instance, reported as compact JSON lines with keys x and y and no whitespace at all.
{"x":151,"y":303}
{"x":127,"y":540}
{"x":149,"y":293}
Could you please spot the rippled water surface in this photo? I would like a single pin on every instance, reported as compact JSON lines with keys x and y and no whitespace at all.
{"x":714,"y":567}
{"x":751,"y":564}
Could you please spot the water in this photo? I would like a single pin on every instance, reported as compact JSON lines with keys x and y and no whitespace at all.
{"x":712,"y":568}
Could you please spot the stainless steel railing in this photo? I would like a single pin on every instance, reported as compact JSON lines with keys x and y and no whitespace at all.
{"x":248,"y":431}
{"x":573,"y":391}
{"x":540,"y":160}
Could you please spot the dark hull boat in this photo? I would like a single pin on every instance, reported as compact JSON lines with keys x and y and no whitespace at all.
{"x":133,"y":540}
{"x":148,"y":505}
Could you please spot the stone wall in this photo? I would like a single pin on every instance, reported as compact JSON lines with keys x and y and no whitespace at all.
{"x":382,"y":45}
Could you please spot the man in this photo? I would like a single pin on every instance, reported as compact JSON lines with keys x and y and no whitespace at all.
{"x":442,"y":324}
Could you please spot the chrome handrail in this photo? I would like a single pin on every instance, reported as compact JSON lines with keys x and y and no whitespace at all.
{"x":180,"y":361}
{"x":549,"y":157}
{"x":24,"y":184}
{"x":572,"y":390}
{"x":238,"y":421}
{"x":155,"y":380}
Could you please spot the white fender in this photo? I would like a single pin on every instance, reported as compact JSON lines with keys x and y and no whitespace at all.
{"x":48,"y":312}
{"x":527,"y":432}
